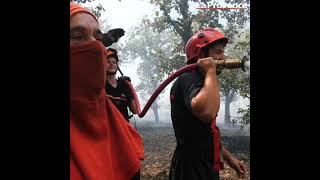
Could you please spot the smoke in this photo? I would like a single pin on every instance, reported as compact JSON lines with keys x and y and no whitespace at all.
{"x":165,"y":109}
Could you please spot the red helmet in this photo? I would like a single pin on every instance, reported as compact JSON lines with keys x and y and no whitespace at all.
{"x":202,"y":39}
{"x":112,"y":52}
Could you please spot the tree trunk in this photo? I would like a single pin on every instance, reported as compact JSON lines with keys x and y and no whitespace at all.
{"x":154,"y":105}
{"x":155,"y":108}
{"x":227,"y":103}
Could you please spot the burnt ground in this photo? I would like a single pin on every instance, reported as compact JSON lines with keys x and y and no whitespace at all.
{"x":159,"y":143}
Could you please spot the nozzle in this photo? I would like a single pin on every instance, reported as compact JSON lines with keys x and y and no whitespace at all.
{"x":245,"y":63}
{"x":234,"y":63}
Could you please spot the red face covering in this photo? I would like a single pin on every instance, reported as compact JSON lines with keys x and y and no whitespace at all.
{"x":87,"y":74}
{"x":87,"y":79}
{"x":103,"y":145}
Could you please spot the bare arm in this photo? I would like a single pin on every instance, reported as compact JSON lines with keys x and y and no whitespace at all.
{"x":133,"y":108}
{"x":205,"y":104}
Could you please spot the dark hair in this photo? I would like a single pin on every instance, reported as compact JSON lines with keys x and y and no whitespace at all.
{"x":114,"y":56}
{"x":213,"y":44}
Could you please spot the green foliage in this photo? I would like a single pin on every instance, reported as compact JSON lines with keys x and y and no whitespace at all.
{"x":95,"y":10}
{"x":242,"y":79}
{"x":156,"y":52}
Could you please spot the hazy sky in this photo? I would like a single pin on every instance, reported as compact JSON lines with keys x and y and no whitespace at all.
{"x":126,"y":13}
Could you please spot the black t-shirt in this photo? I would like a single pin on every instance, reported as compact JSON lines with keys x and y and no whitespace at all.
{"x":189,"y":130}
{"x":194,"y":138}
{"x":120,"y":96}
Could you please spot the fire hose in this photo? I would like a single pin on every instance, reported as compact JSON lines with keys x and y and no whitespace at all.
{"x":227,"y":63}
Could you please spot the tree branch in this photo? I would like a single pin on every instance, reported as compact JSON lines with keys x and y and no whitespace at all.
{"x":176,"y":26}
{"x":184,"y":7}
{"x":204,"y":18}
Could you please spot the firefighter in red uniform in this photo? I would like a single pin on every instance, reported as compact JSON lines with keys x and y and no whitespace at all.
{"x":195,"y":103}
